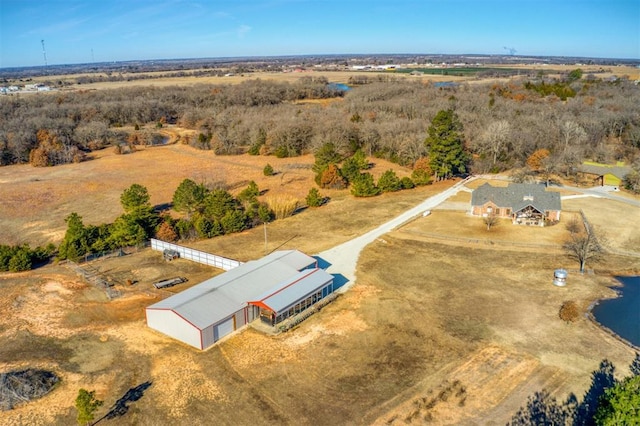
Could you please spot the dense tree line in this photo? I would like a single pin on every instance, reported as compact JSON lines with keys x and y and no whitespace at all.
{"x":503,"y":123}
{"x":205,"y":213}
{"x":92,"y":120}
{"x":23,"y":258}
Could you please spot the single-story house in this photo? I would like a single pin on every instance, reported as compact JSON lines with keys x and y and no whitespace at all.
{"x":271,"y":289}
{"x":524,"y":204}
{"x":604,"y":174}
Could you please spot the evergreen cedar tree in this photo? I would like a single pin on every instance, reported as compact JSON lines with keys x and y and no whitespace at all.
{"x":189,"y":197}
{"x":86,"y":404}
{"x":134,"y":197}
{"x":620,"y":404}
{"x":364,"y":186}
{"x":324,"y":156}
{"x":314,"y":199}
{"x":389,"y":182}
{"x":446,"y":146}
{"x":250,"y":193}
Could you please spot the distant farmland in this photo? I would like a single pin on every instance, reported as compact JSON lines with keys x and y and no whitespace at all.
{"x":469,"y":71}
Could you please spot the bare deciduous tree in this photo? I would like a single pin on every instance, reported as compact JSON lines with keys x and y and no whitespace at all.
{"x":495,"y":140}
{"x":490,"y":220}
{"x":584,"y":246}
{"x":572,"y":134}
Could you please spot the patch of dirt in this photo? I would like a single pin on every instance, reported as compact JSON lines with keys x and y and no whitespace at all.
{"x":339,"y":324}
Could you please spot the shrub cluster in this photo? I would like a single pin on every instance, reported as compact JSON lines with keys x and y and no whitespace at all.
{"x":570,"y":311}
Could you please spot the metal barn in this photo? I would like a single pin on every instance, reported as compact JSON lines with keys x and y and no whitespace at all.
{"x":215,"y":308}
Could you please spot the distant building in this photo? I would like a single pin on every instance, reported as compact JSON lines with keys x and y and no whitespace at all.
{"x":270,"y":289}
{"x":524,"y":204}
{"x":604,"y":174}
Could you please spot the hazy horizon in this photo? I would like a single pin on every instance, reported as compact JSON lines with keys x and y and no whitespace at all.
{"x":79,"y":32}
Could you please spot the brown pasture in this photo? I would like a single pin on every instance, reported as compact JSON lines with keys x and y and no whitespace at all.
{"x":433,"y":330}
{"x":36,"y":200}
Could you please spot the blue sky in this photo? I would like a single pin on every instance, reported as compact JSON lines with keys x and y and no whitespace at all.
{"x":116,"y":30}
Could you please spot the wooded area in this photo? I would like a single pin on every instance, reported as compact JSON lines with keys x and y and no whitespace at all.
{"x":503,"y":123}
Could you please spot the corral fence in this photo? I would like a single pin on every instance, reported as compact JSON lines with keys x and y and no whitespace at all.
{"x":122,"y":251}
{"x":95,"y":277}
{"x":196,"y":255}
{"x":589,"y":228}
{"x":585,"y":222}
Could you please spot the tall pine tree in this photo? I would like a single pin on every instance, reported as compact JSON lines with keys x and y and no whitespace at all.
{"x":446,"y":145}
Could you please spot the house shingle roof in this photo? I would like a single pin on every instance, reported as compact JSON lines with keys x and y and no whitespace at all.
{"x":517,"y":196}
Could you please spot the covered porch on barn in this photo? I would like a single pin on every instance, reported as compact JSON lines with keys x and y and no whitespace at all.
{"x":272,"y":316}
{"x":294,"y":297}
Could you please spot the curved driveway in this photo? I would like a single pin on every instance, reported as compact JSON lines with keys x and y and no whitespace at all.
{"x":342,"y":259}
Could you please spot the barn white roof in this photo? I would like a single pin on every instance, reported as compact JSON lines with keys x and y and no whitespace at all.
{"x":219,"y":297}
{"x":296,"y":288}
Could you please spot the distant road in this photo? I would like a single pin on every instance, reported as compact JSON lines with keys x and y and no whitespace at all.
{"x":344,"y":258}
{"x":600,"y":192}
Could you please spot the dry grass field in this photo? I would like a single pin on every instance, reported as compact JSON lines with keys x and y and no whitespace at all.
{"x":424,"y":320}
{"x":434,"y":330}
{"x":36,"y":200}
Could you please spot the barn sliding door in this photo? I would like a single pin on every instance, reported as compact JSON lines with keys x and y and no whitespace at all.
{"x":224,"y":328}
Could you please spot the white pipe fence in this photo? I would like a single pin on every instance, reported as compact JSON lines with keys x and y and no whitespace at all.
{"x":196,"y":255}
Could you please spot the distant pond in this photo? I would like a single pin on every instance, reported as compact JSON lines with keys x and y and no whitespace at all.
{"x":339,"y":86}
{"x":445,"y":84}
{"x":622,"y":314}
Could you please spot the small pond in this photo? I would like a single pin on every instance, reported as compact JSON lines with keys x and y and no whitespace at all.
{"x":622,"y":314}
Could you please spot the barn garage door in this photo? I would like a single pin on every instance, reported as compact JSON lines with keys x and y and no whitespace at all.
{"x":222,"y":329}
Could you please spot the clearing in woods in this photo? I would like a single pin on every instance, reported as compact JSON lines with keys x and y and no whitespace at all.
{"x":432,"y":330}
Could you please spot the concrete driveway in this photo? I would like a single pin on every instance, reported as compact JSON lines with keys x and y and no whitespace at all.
{"x":341,"y":260}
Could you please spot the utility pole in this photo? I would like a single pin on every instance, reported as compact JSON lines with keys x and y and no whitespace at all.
{"x":265,"y":237}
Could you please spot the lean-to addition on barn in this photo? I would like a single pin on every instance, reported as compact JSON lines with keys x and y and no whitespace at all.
{"x":272,"y":288}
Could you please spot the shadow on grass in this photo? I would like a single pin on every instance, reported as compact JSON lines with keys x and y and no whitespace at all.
{"x":121,"y":407}
{"x":543,"y":409}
